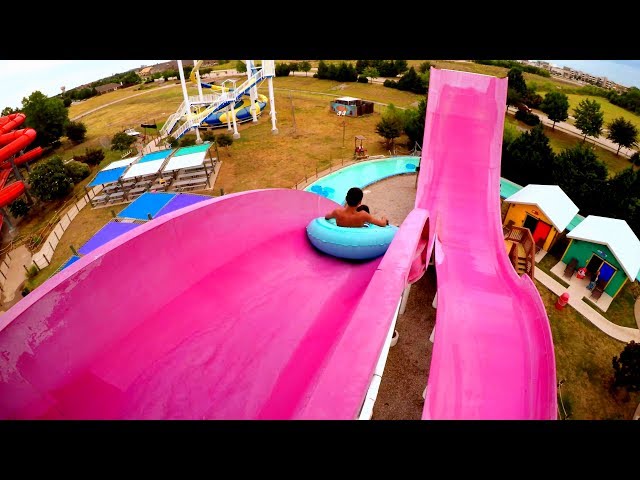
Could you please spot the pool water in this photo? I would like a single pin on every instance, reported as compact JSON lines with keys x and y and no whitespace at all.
{"x":335,"y":185}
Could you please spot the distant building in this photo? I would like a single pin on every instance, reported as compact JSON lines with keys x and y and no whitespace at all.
{"x":109,"y":87}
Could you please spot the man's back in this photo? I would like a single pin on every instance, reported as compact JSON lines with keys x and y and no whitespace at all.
{"x":345,"y":218}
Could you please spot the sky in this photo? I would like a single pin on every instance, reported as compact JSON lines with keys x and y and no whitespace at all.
{"x":624,"y":72}
{"x":20,"y":78}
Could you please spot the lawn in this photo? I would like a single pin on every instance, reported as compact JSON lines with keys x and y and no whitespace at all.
{"x":560,"y":140}
{"x":546,"y":264}
{"x":620,"y":311}
{"x":583,"y":360}
{"x":99,"y":100}
{"x":610,"y":110}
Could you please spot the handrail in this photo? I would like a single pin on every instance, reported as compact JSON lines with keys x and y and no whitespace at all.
{"x":523,"y":236}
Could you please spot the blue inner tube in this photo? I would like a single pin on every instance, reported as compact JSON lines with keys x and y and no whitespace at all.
{"x":352,"y":243}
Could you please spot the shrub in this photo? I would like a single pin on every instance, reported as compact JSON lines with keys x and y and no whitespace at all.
{"x":75,"y":131}
{"x":390,"y":84}
{"x":282,"y":69}
{"x":77,"y":171}
{"x":19,"y":208}
{"x":92,"y":156}
{"x":635,"y":158}
{"x":208,"y":136}
{"x":224,"y":140}
{"x":363,"y":79}
{"x":315,"y":75}
{"x":528,"y":118}
{"x":32,"y":271}
{"x":26,"y":291}
{"x":67,"y":102}
{"x":122,"y":141}
{"x":187,"y":141}
{"x":627,"y":367}
{"x":49,"y":180}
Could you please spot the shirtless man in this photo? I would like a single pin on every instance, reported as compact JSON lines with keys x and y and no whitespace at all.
{"x":349,"y":216}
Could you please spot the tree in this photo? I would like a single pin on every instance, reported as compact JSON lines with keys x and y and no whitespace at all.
{"x":622,"y":132}
{"x":323,"y":70}
{"x":241,"y":67}
{"x":424,"y":67}
{"x":411,"y":82}
{"x":8,"y":111}
{"x":305,"y":66}
{"x":294,"y":66}
{"x":620,"y":193}
{"x":516,"y":80}
{"x":529,"y":158}
{"x":589,"y":118}
{"x":121,"y":141}
{"x":391,"y":125}
{"x":556,"y":106}
{"x":582,"y":176}
{"x":513,"y":97}
{"x":414,"y":122}
{"x":67,"y":101}
{"x":49,"y":180}
{"x":75,"y":131}
{"x":283,"y":69}
{"x":401,"y":66}
{"x":362,"y":64}
{"x":626,"y":368}
{"x":46,"y":115}
{"x":371,"y":72}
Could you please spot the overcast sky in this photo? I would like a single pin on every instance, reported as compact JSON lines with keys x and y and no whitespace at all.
{"x":20,"y":78}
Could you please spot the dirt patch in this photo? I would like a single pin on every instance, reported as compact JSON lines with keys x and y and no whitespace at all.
{"x":393,"y":197}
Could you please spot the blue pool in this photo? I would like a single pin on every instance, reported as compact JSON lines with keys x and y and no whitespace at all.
{"x":335,"y":185}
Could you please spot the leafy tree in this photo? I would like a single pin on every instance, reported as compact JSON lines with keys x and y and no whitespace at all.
{"x":424,"y":67}
{"x":282,"y":69}
{"x":401,"y":66}
{"x":556,"y":106}
{"x":529,"y":158}
{"x":371,"y":72}
{"x":582,"y":176}
{"x":513,"y":97}
{"x":620,"y":193}
{"x":8,"y":111}
{"x":589,"y":118}
{"x":391,"y":125}
{"x":361,"y":65}
{"x":49,"y":180}
{"x":122,"y":141}
{"x":635,"y":158}
{"x":516,"y":80}
{"x":626,"y":368}
{"x":19,"y":208}
{"x":77,"y":171}
{"x":323,"y":70}
{"x":414,"y":122}
{"x":67,"y":101}
{"x":47,"y":116}
{"x":294,"y":66}
{"x":241,"y":67}
{"x":305,"y":67}
{"x":622,"y":132}
{"x":75,"y":131}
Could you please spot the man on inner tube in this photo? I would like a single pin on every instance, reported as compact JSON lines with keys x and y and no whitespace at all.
{"x":351,"y":215}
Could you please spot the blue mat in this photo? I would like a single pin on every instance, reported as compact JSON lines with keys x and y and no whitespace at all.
{"x":180,"y":201}
{"x":107,"y":176}
{"x":152,"y":157}
{"x":71,"y":261}
{"x":146,"y":203}
{"x":110,"y":231}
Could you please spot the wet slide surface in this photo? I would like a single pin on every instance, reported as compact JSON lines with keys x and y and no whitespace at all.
{"x":209,"y":312}
{"x":493,"y":353}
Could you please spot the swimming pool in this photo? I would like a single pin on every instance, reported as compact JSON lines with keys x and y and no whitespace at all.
{"x":335,"y":185}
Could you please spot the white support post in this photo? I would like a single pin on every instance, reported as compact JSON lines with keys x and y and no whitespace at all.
{"x":236,"y":135}
{"x":198,"y":139}
{"x":229,"y":116}
{"x":272,"y":106}
{"x":434,"y":304}
{"x":187,"y":105}
{"x":198,"y":80}
{"x":405,"y":298}
{"x":252,"y":92}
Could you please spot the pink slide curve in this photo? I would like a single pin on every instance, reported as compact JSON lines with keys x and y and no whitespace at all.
{"x":493,"y":353}
{"x":222,"y":310}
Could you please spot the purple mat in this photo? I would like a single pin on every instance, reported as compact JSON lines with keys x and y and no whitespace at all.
{"x":110,"y":231}
{"x":180,"y":201}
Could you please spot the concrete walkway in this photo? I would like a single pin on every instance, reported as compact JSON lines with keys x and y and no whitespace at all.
{"x":16,"y":274}
{"x":623,"y":334}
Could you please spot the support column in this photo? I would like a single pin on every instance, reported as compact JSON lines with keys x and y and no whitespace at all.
{"x":229,"y":116}
{"x":252,"y":92}
{"x":405,"y":298}
{"x":187,"y":105}
{"x":236,"y":135}
{"x":198,"y":139}
{"x":272,"y":107}
{"x":198,"y":80}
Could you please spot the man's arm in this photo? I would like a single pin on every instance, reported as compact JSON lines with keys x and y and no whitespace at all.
{"x":382,"y":222}
{"x":330,"y":215}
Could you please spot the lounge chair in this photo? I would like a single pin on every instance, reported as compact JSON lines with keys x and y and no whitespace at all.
{"x":570,"y":268}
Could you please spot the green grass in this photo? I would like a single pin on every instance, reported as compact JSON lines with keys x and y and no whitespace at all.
{"x":583,"y":359}
{"x":610,"y":110}
{"x":620,"y":311}
{"x":546,"y":264}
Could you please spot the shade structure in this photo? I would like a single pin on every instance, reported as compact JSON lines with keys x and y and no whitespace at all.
{"x":110,"y":231}
{"x":107,"y":176}
{"x":185,"y":161}
{"x":180,"y":201}
{"x":143,"y":169}
{"x":193,"y":149}
{"x":155,"y":156}
{"x":120,"y":163}
{"x":146,"y":204}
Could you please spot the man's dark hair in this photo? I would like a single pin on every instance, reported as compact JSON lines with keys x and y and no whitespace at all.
{"x":363,"y":207}
{"x":354,"y":196}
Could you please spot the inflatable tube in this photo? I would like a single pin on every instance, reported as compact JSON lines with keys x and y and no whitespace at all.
{"x":352,"y":243}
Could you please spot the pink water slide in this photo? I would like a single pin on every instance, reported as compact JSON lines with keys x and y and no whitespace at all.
{"x":493,"y":352}
{"x":224,"y":310}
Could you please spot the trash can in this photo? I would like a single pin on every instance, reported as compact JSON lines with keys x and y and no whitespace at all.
{"x":562,"y":301}
{"x":582,"y":272}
